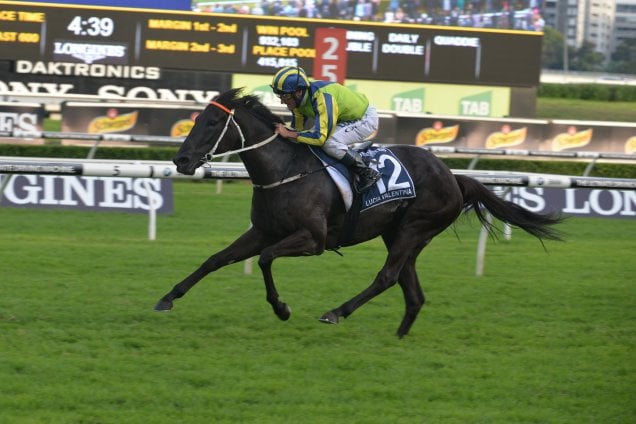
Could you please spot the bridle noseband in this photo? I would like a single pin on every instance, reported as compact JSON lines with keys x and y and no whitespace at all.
{"x":230,"y":119}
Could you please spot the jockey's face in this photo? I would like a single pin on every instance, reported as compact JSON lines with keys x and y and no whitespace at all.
{"x":292,"y":100}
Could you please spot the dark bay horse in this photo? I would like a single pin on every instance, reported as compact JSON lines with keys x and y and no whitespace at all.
{"x":298,"y":211}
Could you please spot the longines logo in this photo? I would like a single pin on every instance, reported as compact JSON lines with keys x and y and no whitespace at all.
{"x":88,"y":193}
{"x":10,"y":121}
{"x":90,"y":52}
{"x":576,"y":202}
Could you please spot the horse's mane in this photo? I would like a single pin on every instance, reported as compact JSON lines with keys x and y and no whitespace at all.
{"x":233,"y":99}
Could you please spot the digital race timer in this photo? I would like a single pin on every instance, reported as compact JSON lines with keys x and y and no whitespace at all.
{"x":91,"y":26}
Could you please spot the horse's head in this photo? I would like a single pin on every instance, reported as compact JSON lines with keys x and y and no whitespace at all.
{"x":225,"y":126}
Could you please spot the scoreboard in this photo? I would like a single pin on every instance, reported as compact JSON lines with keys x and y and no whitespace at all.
{"x":90,"y":37}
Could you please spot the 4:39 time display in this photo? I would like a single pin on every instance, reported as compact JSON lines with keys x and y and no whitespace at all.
{"x":92,"y":26}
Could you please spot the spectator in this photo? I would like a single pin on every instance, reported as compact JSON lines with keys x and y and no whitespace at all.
{"x":513,"y":14}
{"x":289,"y":10}
{"x":244,"y":9}
{"x":537,"y":21}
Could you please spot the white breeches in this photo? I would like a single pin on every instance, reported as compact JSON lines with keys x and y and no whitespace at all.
{"x":350,"y":132}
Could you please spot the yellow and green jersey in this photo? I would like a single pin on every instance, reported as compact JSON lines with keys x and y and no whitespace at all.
{"x":328,"y":103}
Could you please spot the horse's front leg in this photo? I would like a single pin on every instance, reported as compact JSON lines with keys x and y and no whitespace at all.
{"x":300,"y":243}
{"x":246,"y":246}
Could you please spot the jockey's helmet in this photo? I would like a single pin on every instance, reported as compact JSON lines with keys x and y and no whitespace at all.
{"x":289,"y":79}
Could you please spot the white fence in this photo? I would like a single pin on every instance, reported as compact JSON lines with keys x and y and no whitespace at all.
{"x":230,"y":170}
{"x":235,"y":170}
{"x":175,"y":141}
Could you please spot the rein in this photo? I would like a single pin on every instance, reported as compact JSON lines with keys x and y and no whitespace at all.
{"x":230,"y":119}
{"x":289,"y":179}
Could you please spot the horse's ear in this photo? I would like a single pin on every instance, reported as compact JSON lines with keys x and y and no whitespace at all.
{"x":238,"y":92}
{"x":230,"y":96}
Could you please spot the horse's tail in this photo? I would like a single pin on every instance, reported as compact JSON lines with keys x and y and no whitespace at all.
{"x":478,"y":197}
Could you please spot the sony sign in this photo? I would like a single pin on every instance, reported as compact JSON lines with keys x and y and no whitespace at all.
{"x":111,"y":91}
{"x":577,"y":202}
{"x":88,"y":193}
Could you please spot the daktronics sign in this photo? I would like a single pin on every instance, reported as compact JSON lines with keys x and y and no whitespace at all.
{"x":110,"y":81}
{"x":260,"y":44}
{"x":87,"y":193}
{"x":94,"y":70}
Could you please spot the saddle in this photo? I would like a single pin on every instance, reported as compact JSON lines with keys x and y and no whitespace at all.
{"x":395,"y":184}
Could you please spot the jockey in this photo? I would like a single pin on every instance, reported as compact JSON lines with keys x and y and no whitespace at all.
{"x":340,"y":116}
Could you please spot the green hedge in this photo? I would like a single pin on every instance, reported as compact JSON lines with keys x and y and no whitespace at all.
{"x":607,"y":170}
{"x":77,"y":152}
{"x":600,"y":92}
{"x":610,"y":170}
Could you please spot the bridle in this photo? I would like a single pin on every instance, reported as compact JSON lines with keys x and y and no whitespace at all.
{"x":230,"y":119}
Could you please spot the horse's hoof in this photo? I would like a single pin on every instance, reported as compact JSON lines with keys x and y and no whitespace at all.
{"x":284,"y":312}
{"x":329,"y":318}
{"x":163,"y":306}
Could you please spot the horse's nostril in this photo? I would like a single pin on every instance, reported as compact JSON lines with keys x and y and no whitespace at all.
{"x":180,"y":160}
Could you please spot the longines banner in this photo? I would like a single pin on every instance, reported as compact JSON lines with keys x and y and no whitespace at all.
{"x":21,"y":116}
{"x":576,"y":202}
{"x":88,"y":193}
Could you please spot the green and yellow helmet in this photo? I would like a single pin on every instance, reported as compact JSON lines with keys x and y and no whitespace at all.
{"x":289,"y":79}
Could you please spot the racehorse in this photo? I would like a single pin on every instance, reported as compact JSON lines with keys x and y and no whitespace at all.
{"x":298,"y":211}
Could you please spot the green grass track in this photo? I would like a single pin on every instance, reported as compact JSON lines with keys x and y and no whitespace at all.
{"x":542,"y":337}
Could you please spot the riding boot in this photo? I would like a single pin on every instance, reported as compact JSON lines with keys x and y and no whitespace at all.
{"x":366,"y":175}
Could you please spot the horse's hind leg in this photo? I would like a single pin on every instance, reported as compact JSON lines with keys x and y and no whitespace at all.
{"x":414,"y":297}
{"x":246,"y":246}
{"x":399,"y":267}
{"x":386,"y":278}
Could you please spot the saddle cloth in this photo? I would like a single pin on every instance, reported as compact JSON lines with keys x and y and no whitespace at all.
{"x":396,"y":183}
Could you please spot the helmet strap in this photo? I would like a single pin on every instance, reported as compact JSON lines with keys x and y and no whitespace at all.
{"x":299,"y":98}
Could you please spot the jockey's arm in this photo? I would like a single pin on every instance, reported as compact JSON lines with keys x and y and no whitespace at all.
{"x":325,"y":110}
{"x":282,"y":130}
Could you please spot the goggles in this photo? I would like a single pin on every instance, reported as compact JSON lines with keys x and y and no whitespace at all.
{"x":283,"y":95}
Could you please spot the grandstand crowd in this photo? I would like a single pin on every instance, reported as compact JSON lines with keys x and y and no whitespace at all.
{"x":503,"y":14}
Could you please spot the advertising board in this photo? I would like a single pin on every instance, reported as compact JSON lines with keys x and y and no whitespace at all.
{"x":115,"y":40}
{"x":56,"y":81}
{"x":511,"y":133}
{"x":21,"y":116}
{"x":115,"y":194}
{"x":128,"y":118}
{"x":419,"y":98}
{"x":577,"y":202}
